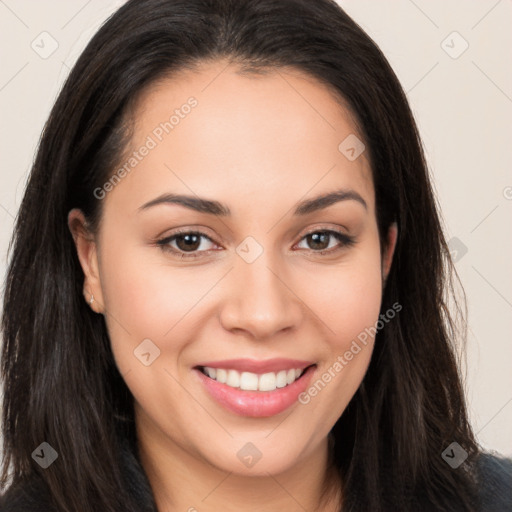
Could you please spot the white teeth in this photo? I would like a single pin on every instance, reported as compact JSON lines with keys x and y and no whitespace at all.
{"x":222,"y":375}
{"x":233,"y":379}
{"x":249,"y":381}
{"x":281,"y":379}
{"x":267,"y":382}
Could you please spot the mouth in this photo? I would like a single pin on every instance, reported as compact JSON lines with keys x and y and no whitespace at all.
{"x":255,"y":394}
{"x":249,"y":381}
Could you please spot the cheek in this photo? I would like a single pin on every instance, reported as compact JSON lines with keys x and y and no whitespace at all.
{"x":348,"y":301}
{"x":348,"y":297}
{"x":151,"y":298}
{"x":149,"y":306}
{"x":147,"y":299}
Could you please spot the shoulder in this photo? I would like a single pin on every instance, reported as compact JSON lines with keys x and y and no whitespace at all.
{"x":33,"y":495}
{"x":30,"y":495}
{"x":495,"y":482}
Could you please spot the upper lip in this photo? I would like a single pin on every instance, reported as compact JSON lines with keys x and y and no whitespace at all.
{"x":258,"y":366}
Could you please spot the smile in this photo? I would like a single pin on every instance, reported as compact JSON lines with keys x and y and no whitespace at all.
{"x":258,"y":393}
{"x":249,"y":381}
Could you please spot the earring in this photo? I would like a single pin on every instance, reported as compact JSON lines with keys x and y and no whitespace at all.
{"x":91,"y":300}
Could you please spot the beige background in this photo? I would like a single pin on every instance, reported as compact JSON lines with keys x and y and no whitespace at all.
{"x":462,"y":100}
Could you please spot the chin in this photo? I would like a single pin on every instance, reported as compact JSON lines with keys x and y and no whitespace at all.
{"x":257,"y":457}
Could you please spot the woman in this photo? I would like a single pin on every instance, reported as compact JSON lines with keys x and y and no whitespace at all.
{"x":226,"y":288}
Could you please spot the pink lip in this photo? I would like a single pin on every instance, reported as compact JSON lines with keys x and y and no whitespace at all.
{"x":256,"y":404}
{"x":255,"y":366}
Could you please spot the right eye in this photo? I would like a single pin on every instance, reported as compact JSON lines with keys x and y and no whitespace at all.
{"x":187,"y":242}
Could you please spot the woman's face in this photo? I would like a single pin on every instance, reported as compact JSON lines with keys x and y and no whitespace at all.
{"x":261,"y":277}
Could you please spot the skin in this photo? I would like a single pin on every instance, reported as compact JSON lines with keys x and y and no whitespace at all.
{"x":259,"y":144}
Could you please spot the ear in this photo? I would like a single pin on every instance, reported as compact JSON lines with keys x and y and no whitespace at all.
{"x":389,"y":250}
{"x":86,"y":247}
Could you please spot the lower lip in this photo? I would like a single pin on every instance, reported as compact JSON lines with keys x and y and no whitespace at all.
{"x":256,"y":404}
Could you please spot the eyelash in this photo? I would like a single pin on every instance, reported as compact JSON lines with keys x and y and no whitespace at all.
{"x":346,"y":241}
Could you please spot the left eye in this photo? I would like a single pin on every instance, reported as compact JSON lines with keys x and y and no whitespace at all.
{"x":189,"y":242}
{"x":320,"y":237}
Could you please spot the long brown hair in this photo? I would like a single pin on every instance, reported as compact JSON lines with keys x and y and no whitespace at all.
{"x":61,"y":384}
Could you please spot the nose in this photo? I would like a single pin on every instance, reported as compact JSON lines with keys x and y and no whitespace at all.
{"x":260,"y":300}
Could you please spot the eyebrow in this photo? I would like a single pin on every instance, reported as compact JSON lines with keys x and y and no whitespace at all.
{"x":218,"y":209}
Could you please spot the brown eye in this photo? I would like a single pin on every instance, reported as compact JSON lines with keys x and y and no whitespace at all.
{"x":189,"y":242}
{"x":319,"y":241}
{"x":186,"y":243}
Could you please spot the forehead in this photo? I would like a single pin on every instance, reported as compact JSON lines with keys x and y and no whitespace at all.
{"x":246,"y":133}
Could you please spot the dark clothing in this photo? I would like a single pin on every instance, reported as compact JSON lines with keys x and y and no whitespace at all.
{"x":32,"y":495}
